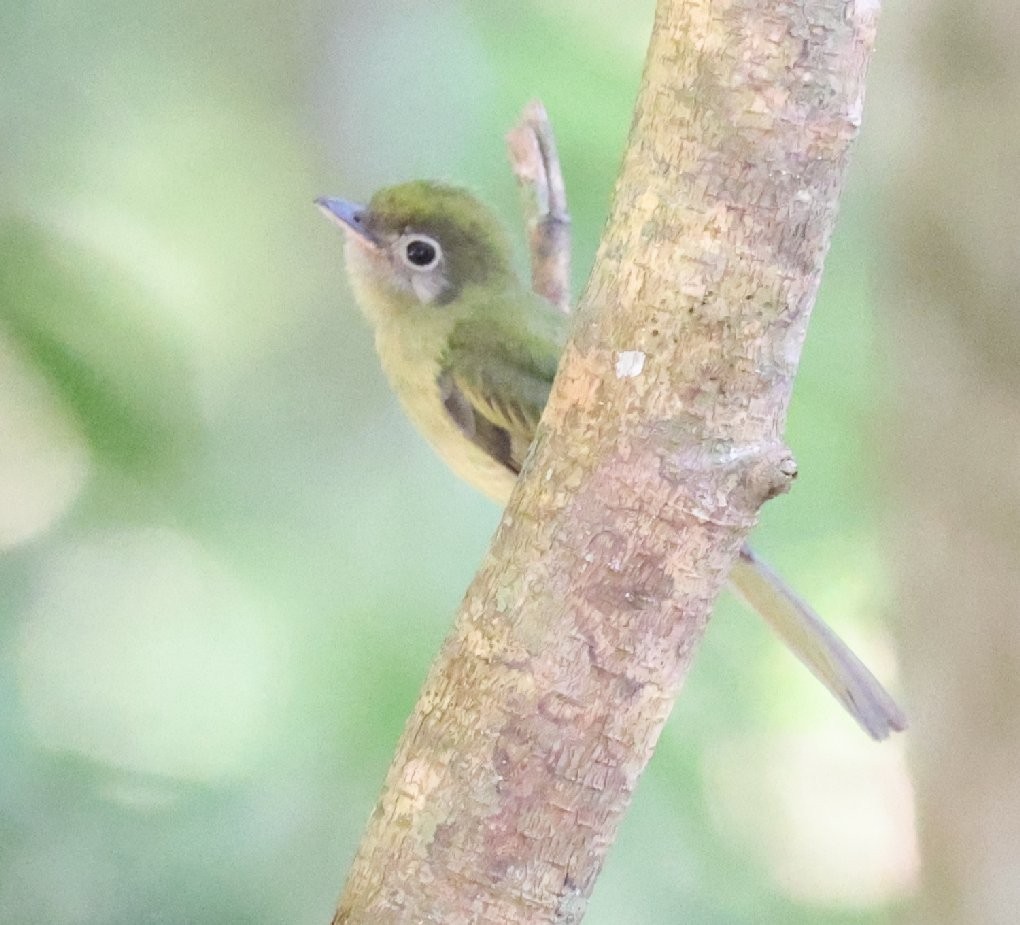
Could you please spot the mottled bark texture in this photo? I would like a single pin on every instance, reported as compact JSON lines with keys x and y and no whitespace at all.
{"x":660,"y":442}
{"x":952,"y":310}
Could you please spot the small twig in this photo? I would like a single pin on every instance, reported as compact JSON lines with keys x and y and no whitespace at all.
{"x":536,"y":165}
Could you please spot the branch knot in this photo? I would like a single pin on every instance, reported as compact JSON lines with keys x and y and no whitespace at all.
{"x":773,"y":474}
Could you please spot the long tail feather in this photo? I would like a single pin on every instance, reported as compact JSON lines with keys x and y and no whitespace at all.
{"x":817,"y":646}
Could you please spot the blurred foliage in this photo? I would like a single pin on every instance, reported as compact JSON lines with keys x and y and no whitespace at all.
{"x":227,"y":559}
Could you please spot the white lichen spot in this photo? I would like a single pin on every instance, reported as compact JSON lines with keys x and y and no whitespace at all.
{"x":866,"y":8}
{"x":855,"y":111}
{"x":802,"y":195}
{"x":629,"y":363}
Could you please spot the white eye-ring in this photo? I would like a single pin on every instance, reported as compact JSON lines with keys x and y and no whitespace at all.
{"x":419,"y":251}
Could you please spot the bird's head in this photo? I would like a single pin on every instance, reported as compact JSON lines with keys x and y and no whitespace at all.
{"x":419,"y":245}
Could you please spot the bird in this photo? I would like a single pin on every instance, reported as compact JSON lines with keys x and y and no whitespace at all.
{"x":471,"y":353}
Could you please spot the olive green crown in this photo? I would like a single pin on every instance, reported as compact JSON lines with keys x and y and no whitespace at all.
{"x":474,"y":244}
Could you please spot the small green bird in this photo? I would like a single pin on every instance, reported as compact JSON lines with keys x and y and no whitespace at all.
{"x":471,"y":354}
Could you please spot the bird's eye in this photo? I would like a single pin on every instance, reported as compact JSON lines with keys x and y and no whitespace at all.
{"x":421,"y":252}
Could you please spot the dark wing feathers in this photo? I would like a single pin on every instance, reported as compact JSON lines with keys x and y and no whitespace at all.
{"x":496,"y":441}
{"x":495,"y":385}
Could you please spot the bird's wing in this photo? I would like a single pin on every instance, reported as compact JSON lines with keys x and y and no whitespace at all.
{"x":495,"y":383}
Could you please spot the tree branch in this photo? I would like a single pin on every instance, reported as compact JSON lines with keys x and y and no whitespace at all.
{"x":660,"y":442}
{"x":536,"y":164}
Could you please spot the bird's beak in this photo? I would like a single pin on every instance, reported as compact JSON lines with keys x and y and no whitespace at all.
{"x":349,"y":216}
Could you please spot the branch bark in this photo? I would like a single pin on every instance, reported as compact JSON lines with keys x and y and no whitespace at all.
{"x":536,"y":165}
{"x":660,"y":442}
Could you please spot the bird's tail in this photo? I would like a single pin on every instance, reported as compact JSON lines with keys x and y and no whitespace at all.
{"x":817,"y":646}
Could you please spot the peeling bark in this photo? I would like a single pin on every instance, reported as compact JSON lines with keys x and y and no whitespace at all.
{"x":660,"y":443}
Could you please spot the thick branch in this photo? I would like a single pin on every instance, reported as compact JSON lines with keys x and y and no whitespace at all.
{"x":660,"y":442}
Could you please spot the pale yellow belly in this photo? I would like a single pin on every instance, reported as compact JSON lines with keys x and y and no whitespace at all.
{"x":416,"y":385}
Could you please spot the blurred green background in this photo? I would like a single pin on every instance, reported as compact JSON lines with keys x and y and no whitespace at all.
{"x":227,"y":560}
